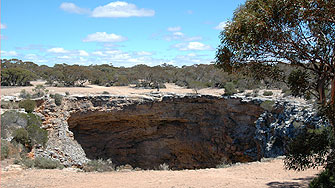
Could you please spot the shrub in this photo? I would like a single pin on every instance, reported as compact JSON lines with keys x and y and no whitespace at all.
{"x":229,"y":89}
{"x":164,"y":166}
{"x":20,"y":135}
{"x":24,"y":94}
{"x":67,"y":93}
{"x":324,"y":179}
{"x":28,"y":105}
{"x":45,"y":163}
{"x":40,"y":91}
{"x":267,"y":93}
{"x":267,"y":105}
{"x":58,"y":99}
{"x":105,"y":92}
{"x":39,"y":162}
{"x":4,"y":149}
{"x":99,"y":165}
{"x":37,"y":135}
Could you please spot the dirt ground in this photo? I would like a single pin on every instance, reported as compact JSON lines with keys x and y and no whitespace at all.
{"x":270,"y":174}
{"x":115,"y":90}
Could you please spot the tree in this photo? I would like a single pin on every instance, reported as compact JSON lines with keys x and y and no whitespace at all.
{"x":300,"y":33}
{"x":296,"y":32}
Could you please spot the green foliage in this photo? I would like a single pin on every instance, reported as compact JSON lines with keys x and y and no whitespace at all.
{"x":37,"y":135}
{"x":270,"y":33}
{"x":24,"y":94}
{"x":298,"y":82}
{"x":267,"y":105}
{"x":105,"y":92}
{"x":267,"y":93}
{"x":4,"y":149}
{"x":309,"y":149}
{"x":99,"y":165}
{"x":40,"y":162}
{"x":28,"y":105}
{"x":230,"y":88}
{"x":46,"y":163}
{"x":39,"y":91}
{"x":324,"y":180}
{"x":58,"y":99}
{"x":20,"y":135}
{"x":15,"y":76}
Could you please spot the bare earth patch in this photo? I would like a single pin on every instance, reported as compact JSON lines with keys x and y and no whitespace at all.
{"x":114,"y":90}
{"x":256,"y":174}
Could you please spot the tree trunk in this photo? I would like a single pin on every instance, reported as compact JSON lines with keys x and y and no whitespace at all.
{"x":321,"y":91}
{"x":332,"y":99}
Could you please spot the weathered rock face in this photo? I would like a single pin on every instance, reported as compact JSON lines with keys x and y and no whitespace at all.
{"x":189,"y":132}
{"x":181,"y":131}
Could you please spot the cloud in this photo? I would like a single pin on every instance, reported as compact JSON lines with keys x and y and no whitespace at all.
{"x":173,"y":29}
{"x":197,"y":46}
{"x":3,"y":26}
{"x":221,"y":26}
{"x":120,"y":9}
{"x":72,"y":8}
{"x":83,"y":53}
{"x":98,"y":53}
{"x":176,"y":34}
{"x":58,"y":50}
{"x":64,"y":57}
{"x":104,"y":37}
{"x":8,"y":53}
{"x":143,"y":53}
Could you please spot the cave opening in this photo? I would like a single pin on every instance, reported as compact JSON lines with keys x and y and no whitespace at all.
{"x":184,"y":133}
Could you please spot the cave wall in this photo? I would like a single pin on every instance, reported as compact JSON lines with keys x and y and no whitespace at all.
{"x":185,"y":133}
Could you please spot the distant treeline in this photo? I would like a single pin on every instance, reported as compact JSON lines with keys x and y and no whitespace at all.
{"x":15,"y":72}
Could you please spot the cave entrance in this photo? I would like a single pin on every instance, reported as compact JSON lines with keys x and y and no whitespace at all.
{"x":182,"y":133}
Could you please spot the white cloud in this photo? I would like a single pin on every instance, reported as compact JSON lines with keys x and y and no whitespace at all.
{"x":120,"y":9}
{"x":98,"y":53}
{"x":72,"y":8}
{"x":221,"y":26}
{"x":9,"y":53}
{"x":3,"y":26}
{"x":83,"y":53}
{"x":58,"y":50}
{"x":144,"y":53}
{"x":192,"y":46}
{"x":104,"y":37}
{"x":173,"y":29}
{"x":64,"y":57}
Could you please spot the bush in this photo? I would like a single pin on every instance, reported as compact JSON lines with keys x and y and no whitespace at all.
{"x":24,"y":94}
{"x":99,"y":165}
{"x":267,"y":93}
{"x":4,"y":149}
{"x":67,"y":93}
{"x":39,"y":162}
{"x":229,"y":89}
{"x":324,"y":179}
{"x":37,"y":135}
{"x":267,"y":105}
{"x":45,"y":163}
{"x":20,"y":135}
{"x":105,"y":92}
{"x":28,"y":105}
{"x":58,"y":99}
{"x":163,"y":166}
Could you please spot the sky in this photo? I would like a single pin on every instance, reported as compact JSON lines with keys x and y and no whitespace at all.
{"x":121,"y":33}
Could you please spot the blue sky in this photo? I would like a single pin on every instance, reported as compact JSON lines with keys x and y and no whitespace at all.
{"x":124,"y":33}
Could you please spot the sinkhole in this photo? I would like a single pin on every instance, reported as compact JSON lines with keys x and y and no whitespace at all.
{"x":184,"y":133}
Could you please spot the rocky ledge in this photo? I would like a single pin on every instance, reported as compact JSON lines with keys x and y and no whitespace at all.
{"x":182,"y":131}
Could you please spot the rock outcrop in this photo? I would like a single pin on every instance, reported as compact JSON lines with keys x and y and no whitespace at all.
{"x":181,"y":131}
